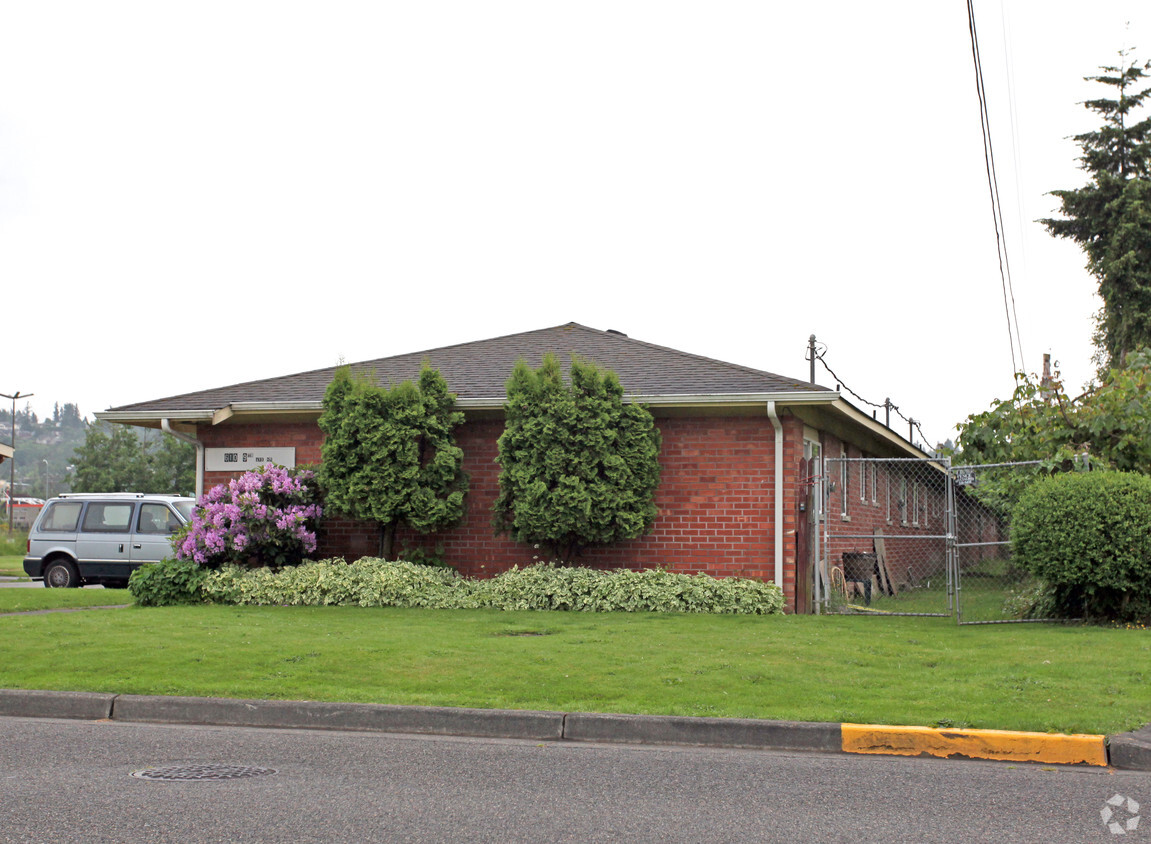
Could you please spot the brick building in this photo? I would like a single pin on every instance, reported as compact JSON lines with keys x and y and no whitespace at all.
{"x":737,"y":444}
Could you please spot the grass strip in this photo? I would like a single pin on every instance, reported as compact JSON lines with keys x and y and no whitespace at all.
{"x":916,"y":671}
{"x":39,"y":598}
{"x":12,"y":565}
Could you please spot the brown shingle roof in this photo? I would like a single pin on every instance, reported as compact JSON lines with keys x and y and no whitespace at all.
{"x":479,"y":371}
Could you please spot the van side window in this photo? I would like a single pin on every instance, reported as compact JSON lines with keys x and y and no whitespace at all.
{"x":108,"y":517}
{"x":62,"y":515}
{"x":156,"y":518}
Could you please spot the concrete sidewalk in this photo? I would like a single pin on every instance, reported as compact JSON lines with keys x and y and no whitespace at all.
{"x":1130,"y":750}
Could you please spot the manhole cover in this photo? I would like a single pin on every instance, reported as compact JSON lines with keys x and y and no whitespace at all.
{"x":186,"y":773}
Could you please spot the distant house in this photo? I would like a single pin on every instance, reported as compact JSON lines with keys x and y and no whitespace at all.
{"x":24,"y":511}
{"x":21,"y":512}
{"x":6,"y":453}
{"x":736,"y":445}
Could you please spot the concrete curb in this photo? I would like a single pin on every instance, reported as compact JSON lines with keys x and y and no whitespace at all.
{"x":87,"y":706}
{"x":484,"y":723}
{"x":703,"y":732}
{"x":1131,"y":751}
{"x":999,"y":745}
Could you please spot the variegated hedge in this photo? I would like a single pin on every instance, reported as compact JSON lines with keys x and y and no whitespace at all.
{"x":372,"y":582}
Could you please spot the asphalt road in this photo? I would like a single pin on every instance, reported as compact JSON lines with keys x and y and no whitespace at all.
{"x":72,"y":781}
{"x":13,"y":583}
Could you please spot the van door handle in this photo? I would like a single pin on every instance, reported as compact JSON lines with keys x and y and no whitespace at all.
{"x":121,"y":547}
{"x":137,"y":545}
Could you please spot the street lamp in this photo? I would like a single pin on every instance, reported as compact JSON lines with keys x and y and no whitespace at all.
{"x":12,"y":470}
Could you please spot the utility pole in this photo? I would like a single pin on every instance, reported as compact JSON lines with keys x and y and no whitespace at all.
{"x":811,"y":355}
{"x":12,"y":468}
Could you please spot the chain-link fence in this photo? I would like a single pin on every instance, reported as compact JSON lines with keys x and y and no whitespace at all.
{"x":918,"y":537}
{"x":989,"y":586}
{"x":884,"y":539}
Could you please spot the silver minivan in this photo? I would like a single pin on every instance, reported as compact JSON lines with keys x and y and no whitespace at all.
{"x":101,"y":538}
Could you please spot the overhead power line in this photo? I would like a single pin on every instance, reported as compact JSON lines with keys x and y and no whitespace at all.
{"x":817,"y":350}
{"x":1013,"y":339}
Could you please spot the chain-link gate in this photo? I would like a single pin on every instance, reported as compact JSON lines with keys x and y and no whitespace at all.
{"x":884,"y":545}
{"x":990,"y":588}
{"x":905,"y":536}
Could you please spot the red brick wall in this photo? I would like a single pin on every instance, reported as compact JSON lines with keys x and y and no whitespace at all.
{"x":715,"y":499}
{"x":303,"y":437}
{"x":912,"y":538}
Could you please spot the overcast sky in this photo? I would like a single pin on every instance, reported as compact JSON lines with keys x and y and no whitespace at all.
{"x":198,"y":194}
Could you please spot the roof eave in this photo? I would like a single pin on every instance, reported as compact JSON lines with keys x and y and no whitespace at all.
{"x":879,"y":429}
{"x":260,"y":408}
{"x":706,"y":399}
{"x":129,"y":417}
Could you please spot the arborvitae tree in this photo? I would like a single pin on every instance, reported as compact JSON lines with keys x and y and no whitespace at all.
{"x":1110,"y":217}
{"x":389,"y":455}
{"x":578,"y":466}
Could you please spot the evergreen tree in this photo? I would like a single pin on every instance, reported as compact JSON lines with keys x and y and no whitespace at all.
{"x":389,"y":455}
{"x":114,"y":458}
{"x":70,"y":417}
{"x":173,"y":466}
{"x":578,"y":466}
{"x":1110,"y":217}
{"x":111,"y":460}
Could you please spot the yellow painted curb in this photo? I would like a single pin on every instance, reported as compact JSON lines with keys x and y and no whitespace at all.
{"x":1005,"y":745}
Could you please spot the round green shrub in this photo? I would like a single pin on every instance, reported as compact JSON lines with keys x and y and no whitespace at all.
{"x":167,"y":582}
{"x":1088,"y":536}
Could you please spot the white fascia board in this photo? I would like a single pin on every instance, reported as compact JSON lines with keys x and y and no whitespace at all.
{"x":737,"y":398}
{"x":686,"y":399}
{"x":130,"y":416}
{"x":476,"y":403}
{"x":276,"y":407}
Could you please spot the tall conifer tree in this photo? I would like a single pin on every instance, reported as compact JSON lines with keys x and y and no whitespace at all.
{"x":1110,"y":216}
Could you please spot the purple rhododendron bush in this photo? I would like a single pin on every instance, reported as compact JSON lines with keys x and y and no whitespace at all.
{"x":262,"y":518}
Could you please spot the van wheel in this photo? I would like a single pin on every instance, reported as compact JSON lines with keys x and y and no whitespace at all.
{"x":61,"y":574}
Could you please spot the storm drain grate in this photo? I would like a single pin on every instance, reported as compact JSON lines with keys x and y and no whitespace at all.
{"x":197,"y":773}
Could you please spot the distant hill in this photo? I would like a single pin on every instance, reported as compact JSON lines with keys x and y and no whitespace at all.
{"x":44,"y":448}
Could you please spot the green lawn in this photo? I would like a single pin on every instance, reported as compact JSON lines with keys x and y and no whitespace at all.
{"x":39,"y":598}
{"x":12,"y":565}
{"x":889,"y":670}
{"x":12,"y":547}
